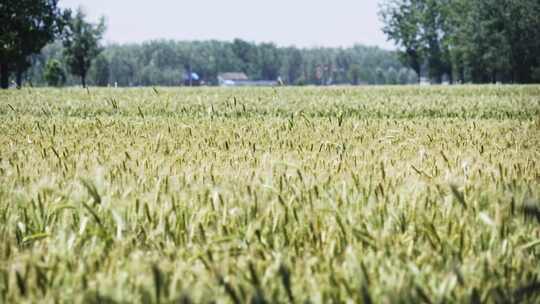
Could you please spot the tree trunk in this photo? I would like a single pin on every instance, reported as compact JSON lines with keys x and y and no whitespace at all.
{"x":18,"y":79}
{"x":4,"y":76}
{"x":83,"y":80}
{"x":461,"y":75}
{"x":413,"y":61}
{"x":418,"y":75}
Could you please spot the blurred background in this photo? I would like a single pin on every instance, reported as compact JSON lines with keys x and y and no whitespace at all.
{"x":267,"y":43}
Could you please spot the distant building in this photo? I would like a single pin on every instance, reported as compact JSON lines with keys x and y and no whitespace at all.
{"x":241,"y":79}
{"x":231,"y":78}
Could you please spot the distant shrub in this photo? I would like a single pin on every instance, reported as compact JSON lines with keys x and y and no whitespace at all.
{"x":54,"y":74}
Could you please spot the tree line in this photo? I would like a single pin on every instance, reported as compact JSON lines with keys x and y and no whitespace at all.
{"x":29,"y":25}
{"x":167,"y":63}
{"x":456,"y":40}
{"x":467,"y":41}
{"x":44,"y":45}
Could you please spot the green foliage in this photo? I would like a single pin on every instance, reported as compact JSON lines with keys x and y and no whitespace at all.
{"x":354,"y":73}
{"x":81,"y":42}
{"x":403,"y":24}
{"x":54,"y":73}
{"x":165,"y":62}
{"x":269,"y":59}
{"x":391,"y":76}
{"x":479,"y":41}
{"x":293,"y":64}
{"x":501,"y":40}
{"x":27,"y":26}
{"x":246,"y":52}
{"x":100,"y":71}
{"x":317,"y":195}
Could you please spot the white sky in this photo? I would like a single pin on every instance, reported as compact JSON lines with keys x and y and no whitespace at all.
{"x":302,"y":23}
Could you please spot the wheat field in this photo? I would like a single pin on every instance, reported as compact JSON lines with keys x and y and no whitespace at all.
{"x":270,"y":195}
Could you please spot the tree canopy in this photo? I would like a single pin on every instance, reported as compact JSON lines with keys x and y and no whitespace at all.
{"x":27,"y":26}
{"x":54,"y":75}
{"x":166,"y":62}
{"x":81,"y":44}
{"x":478,"y":41}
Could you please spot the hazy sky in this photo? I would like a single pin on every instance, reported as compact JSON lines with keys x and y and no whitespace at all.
{"x":286,"y":22}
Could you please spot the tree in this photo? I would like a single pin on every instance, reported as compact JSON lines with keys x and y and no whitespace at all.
{"x":247,"y":53}
{"x":481,"y":40}
{"x":269,"y":61}
{"x":380,"y":77}
{"x":391,"y":76}
{"x":100,"y":71}
{"x":421,"y":28}
{"x":293,"y":64}
{"x":354,"y":73}
{"x":124,"y":63}
{"x":402,"y":24}
{"x":27,"y":26}
{"x":501,"y":40}
{"x":82,"y":44}
{"x":164,"y":62}
{"x":54,"y":74}
{"x":403,"y":76}
{"x":433,"y":19}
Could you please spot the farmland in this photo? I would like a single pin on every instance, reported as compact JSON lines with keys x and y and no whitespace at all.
{"x":376,"y":194}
